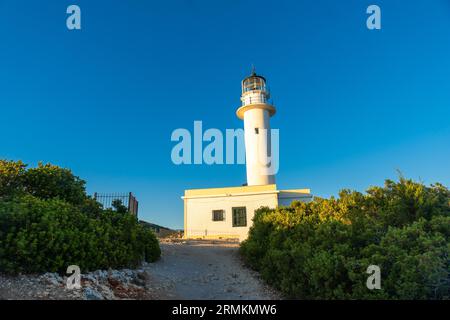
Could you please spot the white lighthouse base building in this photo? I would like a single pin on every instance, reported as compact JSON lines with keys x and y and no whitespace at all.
{"x":227,"y":213}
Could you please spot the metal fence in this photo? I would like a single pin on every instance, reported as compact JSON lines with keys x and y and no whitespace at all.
{"x":128,"y":200}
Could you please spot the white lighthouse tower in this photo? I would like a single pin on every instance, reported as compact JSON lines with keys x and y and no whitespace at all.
{"x":256,"y":112}
{"x":228,"y":212}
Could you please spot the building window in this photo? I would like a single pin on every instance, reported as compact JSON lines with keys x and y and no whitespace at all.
{"x":218,"y":215}
{"x":257,"y":130}
{"x":239,"y":217}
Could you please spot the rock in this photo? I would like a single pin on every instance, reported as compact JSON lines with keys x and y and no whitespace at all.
{"x":100,"y":275}
{"x":128,"y":272}
{"x":139,"y":282}
{"x":91,"y":294}
{"x":114,"y":282}
{"x":118,"y":276}
{"x":142,"y":275}
{"x":51,"y":278}
{"x":89,"y":277}
{"x":106,"y":292}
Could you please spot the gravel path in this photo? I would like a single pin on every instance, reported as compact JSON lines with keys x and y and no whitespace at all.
{"x":205,"y":270}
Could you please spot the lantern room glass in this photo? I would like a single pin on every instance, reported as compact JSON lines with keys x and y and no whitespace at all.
{"x":253,"y":83}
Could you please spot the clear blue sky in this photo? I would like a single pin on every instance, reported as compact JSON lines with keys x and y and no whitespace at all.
{"x":353,"y":105}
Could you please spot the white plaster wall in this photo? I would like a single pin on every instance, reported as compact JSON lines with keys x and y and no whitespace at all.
{"x":199,"y":214}
{"x":257,"y":146}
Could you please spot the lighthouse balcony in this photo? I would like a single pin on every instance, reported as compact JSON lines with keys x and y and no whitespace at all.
{"x":254,"y":98}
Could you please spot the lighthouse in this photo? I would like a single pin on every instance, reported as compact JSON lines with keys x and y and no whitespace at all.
{"x":228,"y":212}
{"x":256,"y":112}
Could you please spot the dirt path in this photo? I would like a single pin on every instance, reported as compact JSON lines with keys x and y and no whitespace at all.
{"x":205,"y":270}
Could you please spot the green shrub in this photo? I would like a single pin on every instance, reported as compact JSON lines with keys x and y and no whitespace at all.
{"x":321,"y":249}
{"x":47,"y":222}
{"x":47,"y":181}
{"x":11,"y":178}
{"x":49,"y":235}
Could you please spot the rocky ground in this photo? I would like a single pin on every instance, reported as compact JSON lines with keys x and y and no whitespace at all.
{"x":98,"y":285}
{"x":186,"y":270}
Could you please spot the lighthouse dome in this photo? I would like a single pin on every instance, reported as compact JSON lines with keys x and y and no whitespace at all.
{"x":254,"y":82}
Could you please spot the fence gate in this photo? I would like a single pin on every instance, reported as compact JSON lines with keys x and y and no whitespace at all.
{"x":128,"y":200}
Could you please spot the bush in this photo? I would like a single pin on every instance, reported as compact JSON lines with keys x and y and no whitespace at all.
{"x":321,"y":249}
{"x":47,"y":181}
{"x":11,"y":178}
{"x":47,"y":222}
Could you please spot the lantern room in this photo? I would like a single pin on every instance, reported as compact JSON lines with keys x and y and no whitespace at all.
{"x":254,"y":90}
